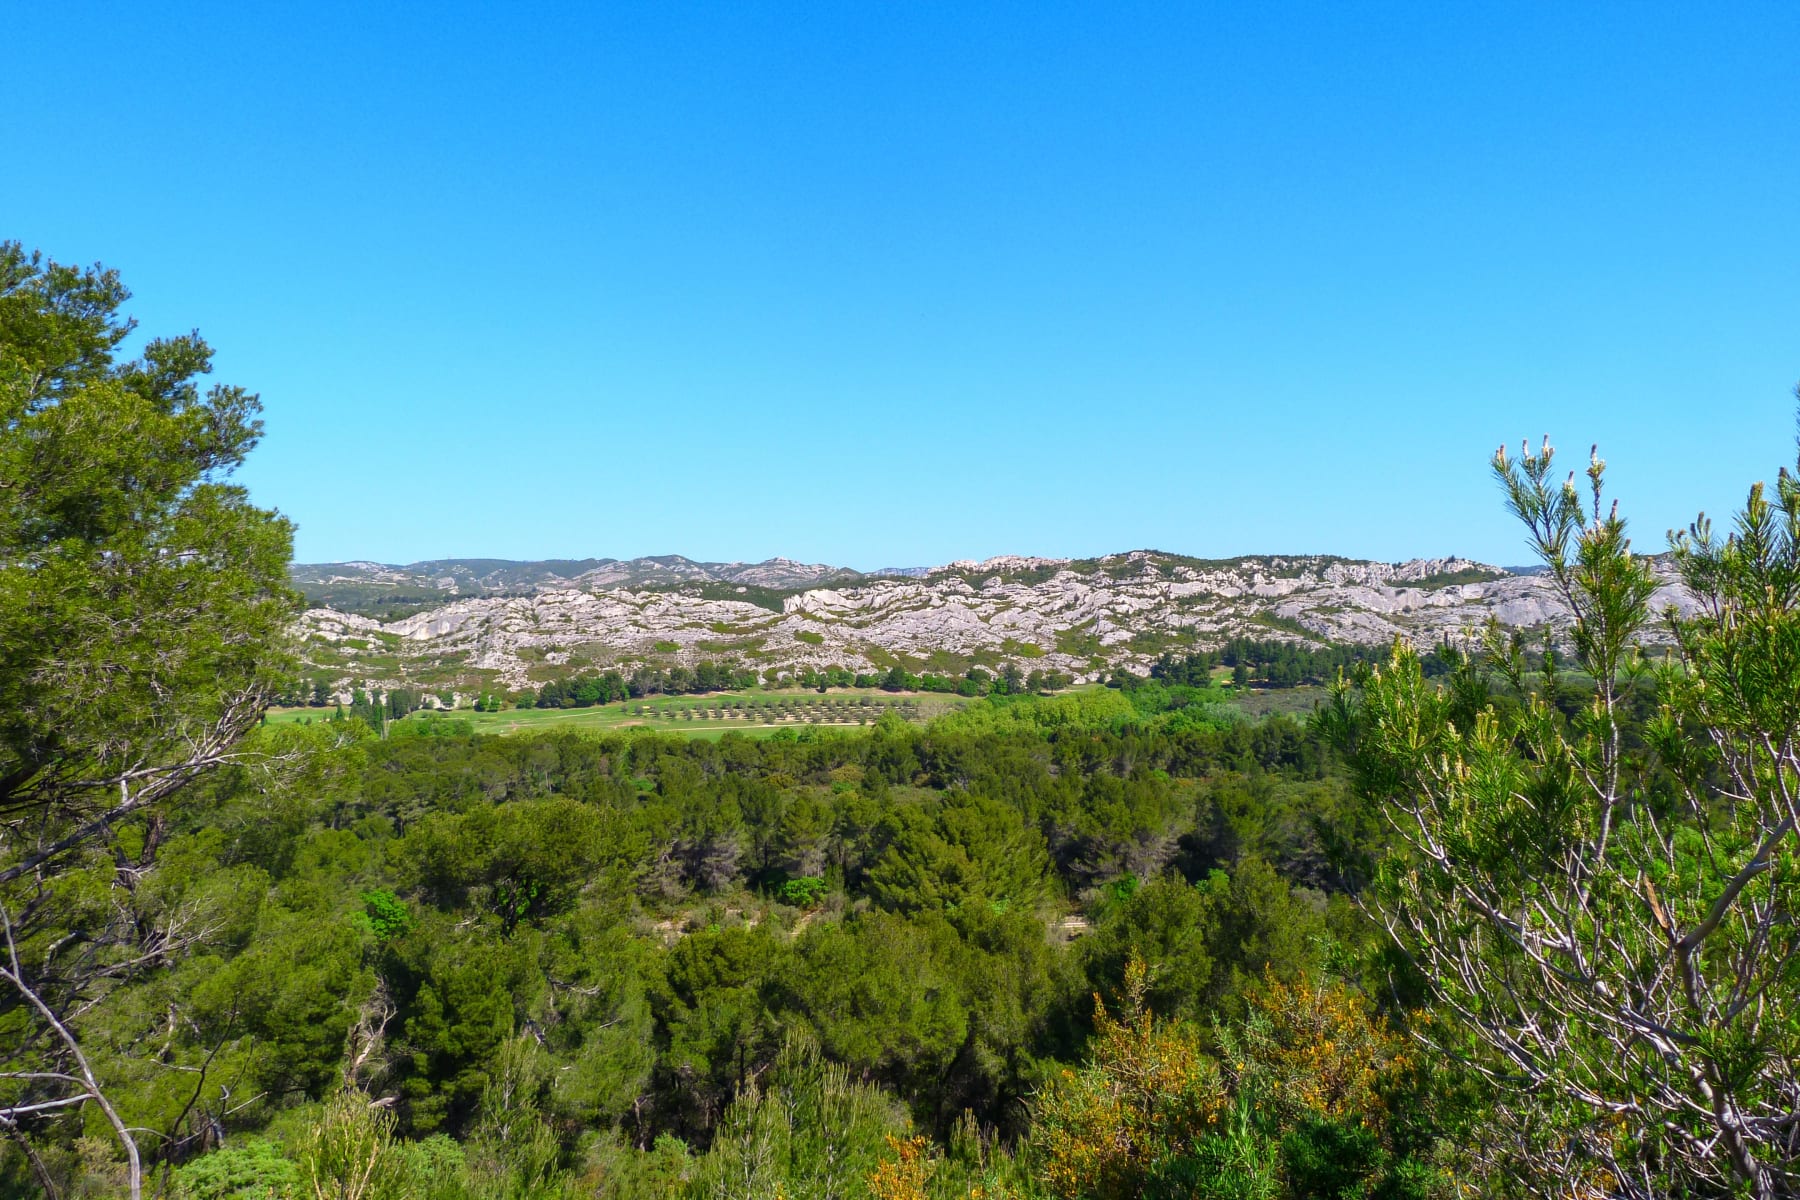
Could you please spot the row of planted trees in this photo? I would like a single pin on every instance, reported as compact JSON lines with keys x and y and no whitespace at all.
{"x":1008,"y":679}
{"x":590,"y":688}
{"x":842,"y":709}
{"x":584,"y":690}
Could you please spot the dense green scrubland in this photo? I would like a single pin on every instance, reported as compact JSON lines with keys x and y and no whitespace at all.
{"x":620,"y":965}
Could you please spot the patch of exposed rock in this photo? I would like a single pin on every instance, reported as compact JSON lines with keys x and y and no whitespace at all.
{"x":1082,"y":617}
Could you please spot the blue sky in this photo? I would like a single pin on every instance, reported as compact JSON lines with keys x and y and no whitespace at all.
{"x":897,"y":284}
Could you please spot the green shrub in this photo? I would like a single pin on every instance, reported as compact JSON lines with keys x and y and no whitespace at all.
{"x":385,"y":914}
{"x":251,"y":1170}
{"x":803,"y":892}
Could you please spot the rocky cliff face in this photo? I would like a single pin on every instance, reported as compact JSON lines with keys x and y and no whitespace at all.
{"x":1081,"y":616}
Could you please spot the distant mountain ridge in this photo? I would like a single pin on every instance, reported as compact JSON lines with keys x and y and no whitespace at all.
{"x":359,"y":586}
{"x":466,"y":623}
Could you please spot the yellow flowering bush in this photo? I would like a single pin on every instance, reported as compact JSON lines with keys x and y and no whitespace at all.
{"x":1294,"y":1102}
{"x":1311,"y":1049}
{"x":1148,"y":1092}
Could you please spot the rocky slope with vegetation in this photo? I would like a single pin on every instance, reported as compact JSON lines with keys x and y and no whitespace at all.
{"x":1081,"y":616}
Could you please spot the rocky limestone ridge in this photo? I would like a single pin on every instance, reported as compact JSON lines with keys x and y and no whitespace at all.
{"x":1080,"y":616}
{"x":490,"y":576}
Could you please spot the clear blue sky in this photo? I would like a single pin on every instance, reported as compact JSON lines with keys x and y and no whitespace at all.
{"x":896,"y":284}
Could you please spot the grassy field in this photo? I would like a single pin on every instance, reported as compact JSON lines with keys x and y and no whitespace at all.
{"x":753,"y":712}
{"x":1293,"y":701}
{"x":759,"y":713}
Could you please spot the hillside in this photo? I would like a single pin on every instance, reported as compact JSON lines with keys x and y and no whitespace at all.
{"x":512,"y":624}
{"x":382,"y":589}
